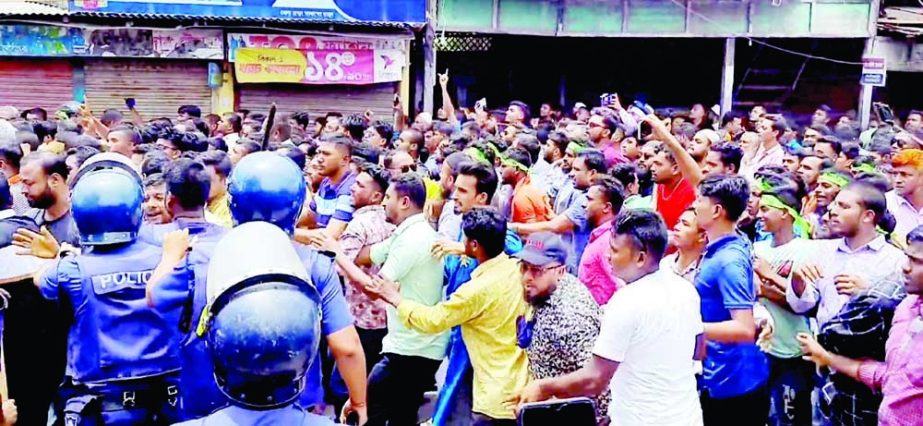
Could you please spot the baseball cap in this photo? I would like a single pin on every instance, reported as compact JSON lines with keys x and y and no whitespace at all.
{"x":543,"y":248}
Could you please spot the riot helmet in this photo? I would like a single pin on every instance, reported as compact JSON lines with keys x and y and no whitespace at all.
{"x":106,"y":205}
{"x":267,"y":187}
{"x":107,"y":160}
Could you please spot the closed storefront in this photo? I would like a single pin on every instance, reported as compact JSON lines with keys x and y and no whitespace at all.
{"x":159,"y":87}
{"x":317,"y":74}
{"x":29,"y":83}
{"x":319,"y":100}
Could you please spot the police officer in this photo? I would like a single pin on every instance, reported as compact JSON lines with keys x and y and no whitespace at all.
{"x":188,"y":184}
{"x":262,"y":327}
{"x":269,"y":187}
{"x":122,"y":359}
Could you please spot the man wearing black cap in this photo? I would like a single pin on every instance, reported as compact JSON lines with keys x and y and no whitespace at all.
{"x":565,"y":320}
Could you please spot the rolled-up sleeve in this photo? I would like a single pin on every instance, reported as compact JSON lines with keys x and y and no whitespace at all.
{"x":460,"y":308}
{"x":807,"y":300}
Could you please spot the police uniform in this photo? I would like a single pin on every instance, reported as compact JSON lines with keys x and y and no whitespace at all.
{"x":263,"y":187}
{"x":200,"y":395}
{"x":261,"y":360}
{"x":123,"y":357}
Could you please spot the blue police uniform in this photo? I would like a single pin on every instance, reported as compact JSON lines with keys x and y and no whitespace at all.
{"x":116,"y":336}
{"x":270,"y":188}
{"x":123,"y":357}
{"x":261,"y":359}
{"x":290,"y":415}
{"x":200,"y":394}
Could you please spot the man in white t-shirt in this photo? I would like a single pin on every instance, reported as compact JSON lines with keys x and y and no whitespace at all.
{"x":651,"y":336}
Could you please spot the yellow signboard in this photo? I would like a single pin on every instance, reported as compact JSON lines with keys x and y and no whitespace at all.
{"x":270,"y":65}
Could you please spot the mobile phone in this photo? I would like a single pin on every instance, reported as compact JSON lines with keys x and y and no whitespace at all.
{"x":481,"y":104}
{"x":130,"y":103}
{"x":571,"y":411}
{"x":397,"y":99}
{"x":604,"y":99}
{"x":884,"y":112}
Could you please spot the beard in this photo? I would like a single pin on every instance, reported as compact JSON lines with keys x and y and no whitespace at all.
{"x":43,"y":201}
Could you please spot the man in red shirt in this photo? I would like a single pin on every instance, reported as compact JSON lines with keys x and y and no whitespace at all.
{"x":673,"y":193}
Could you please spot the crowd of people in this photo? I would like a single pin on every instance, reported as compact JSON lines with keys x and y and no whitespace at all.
{"x":674,"y":267}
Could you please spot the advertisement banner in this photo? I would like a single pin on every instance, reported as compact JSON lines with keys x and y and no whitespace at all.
{"x":396,"y":11}
{"x":43,"y":40}
{"x":129,"y":42}
{"x":39,"y":40}
{"x":318,"y":66}
{"x":311,"y":42}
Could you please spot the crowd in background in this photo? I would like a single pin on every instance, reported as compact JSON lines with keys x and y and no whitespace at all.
{"x":675,"y":266}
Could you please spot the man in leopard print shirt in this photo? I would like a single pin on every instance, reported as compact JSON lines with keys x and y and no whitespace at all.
{"x":561,"y":328}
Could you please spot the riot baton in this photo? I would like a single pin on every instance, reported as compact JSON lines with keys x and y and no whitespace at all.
{"x":267,"y":129}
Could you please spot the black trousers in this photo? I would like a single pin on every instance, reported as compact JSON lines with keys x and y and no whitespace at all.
{"x":749,"y":409}
{"x":35,"y":346}
{"x":396,"y":387}
{"x":371,"y":346}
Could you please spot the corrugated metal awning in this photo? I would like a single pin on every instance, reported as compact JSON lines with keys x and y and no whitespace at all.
{"x":27,"y":8}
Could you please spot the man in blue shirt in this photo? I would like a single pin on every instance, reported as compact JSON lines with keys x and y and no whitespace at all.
{"x":734,"y":387}
{"x":332,"y":207}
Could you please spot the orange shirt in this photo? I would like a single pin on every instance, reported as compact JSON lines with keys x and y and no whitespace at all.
{"x":530,"y":204}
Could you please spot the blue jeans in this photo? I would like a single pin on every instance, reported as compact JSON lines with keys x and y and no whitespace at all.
{"x":790,"y":384}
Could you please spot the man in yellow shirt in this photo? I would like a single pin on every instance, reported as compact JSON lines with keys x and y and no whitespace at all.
{"x":487,"y":308}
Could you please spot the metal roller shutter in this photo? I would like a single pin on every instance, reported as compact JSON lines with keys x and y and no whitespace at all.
{"x":159,"y":87}
{"x":29,"y":83}
{"x":319,"y":100}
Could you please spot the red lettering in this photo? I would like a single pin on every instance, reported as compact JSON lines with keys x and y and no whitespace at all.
{"x":259,"y":41}
{"x":283,"y":42}
{"x":307,"y":43}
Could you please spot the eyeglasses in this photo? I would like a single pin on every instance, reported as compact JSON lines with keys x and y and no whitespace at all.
{"x":532,"y":270}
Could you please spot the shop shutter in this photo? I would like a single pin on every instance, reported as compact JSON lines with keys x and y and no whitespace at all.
{"x":29,"y":83}
{"x":318,"y":100}
{"x":158,"y":86}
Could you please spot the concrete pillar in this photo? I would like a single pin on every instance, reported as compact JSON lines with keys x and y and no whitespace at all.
{"x":727,"y":76}
{"x":865,"y":93}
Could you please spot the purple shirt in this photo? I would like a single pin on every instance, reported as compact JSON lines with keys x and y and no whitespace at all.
{"x":900,"y":376}
{"x":872,"y":262}
{"x":906,"y":215}
{"x":595,"y":271}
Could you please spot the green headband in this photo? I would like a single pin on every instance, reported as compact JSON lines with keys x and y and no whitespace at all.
{"x":865,"y":168}
{"x":509,"y":162}
{"x":478,"y":156}
{"x":833,"y":179}
{"x":802,"y":227}
{"x":576,"y":147}
{"x":762,"y":185}
{"x":495,"y":149}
